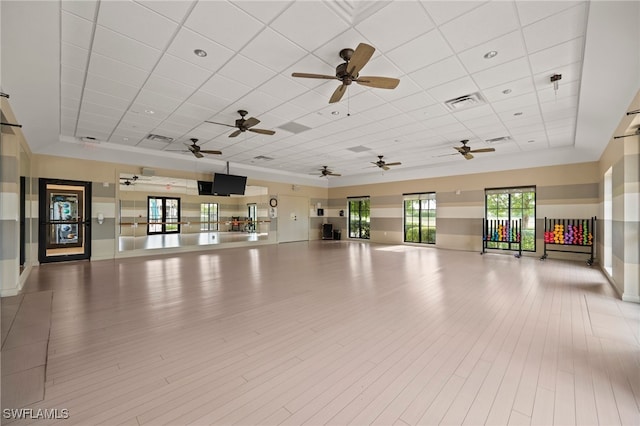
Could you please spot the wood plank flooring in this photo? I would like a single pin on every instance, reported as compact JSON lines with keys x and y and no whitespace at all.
{"x":338,"y":332}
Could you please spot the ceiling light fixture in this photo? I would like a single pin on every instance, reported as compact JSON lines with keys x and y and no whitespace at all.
{"x":517,"y":113}
{"x":149,"y":111}
{"x":491,"y":54}
{"x":199,"y":52}
{"x":335,"y":112}
{"x":506,"y":91}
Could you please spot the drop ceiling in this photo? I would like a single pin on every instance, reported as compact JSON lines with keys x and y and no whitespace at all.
{"x":100,"y":76}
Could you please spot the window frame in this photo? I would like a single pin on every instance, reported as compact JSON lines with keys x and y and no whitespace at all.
{"x":164,"y":216}
{"x":431,"y":212}
{"x":510,"y":191}
{"x":211,"y":223}
{"x":363,"y":232}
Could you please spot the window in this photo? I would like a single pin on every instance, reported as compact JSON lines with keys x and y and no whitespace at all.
{"x":359,"y":217}
{"x":163,"y":215}
{"x":420,"y":218}
{"x":514,"y":204}
{"x":252,"y":216}
{"x":208,"y":216}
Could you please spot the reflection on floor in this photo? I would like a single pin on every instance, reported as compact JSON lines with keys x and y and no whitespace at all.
{"x":185,"y":240}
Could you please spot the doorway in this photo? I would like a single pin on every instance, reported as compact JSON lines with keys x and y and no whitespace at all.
{"x":65,"y":220}
{"x":293,"y":219}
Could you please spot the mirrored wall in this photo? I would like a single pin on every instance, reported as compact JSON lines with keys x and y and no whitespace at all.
{"x":157,"y":212}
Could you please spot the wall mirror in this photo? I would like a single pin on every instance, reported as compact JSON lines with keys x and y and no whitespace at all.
{"x":157,"y":212}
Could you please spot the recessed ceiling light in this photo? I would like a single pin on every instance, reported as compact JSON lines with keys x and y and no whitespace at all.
{"x":201,"y":53}
{"x":506,"y":91}
{"x":149,"y":111}
{"x":491,"y":54}
{"x":517,"y":113}
{"x":125,"y":139}
{"x":335,"y":112}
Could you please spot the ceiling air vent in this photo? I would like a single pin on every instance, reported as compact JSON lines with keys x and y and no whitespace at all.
{"x":498,"y":140}
{"x":159,"y":138}
{"x":358,"y":148}
{"x":294,"y":127}
{"x":464,"y":102}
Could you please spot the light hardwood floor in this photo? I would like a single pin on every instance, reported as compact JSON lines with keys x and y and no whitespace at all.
{"x":338,"y":332}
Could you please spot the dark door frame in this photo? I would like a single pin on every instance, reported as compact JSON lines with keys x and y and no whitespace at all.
{"x":44,"y":220}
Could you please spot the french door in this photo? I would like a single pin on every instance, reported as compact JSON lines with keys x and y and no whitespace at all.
{"x":163,"y":215}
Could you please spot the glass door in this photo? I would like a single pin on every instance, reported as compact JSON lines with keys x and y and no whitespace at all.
{"x":164,"y":215}
{"x":65,"y":225}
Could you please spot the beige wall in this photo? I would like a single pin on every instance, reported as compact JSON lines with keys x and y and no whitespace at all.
{"x":569,"y":191}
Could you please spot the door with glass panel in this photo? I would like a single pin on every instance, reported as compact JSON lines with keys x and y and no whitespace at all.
{"x":163,"y":215}
{"x":65,"y":220}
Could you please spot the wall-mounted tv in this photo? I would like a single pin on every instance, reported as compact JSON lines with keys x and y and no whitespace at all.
{"x":205,"y":187}
{"x":228,"y":184}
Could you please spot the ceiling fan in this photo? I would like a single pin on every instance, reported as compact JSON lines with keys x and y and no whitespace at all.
{"x":466,"y":150}
{"x":243,"y":125}
{"x":129,"y":181}
{"x":347,"y":72}
{"x":196,"y":149}
{"x":383,"y":164}
{"x":324,"y":171}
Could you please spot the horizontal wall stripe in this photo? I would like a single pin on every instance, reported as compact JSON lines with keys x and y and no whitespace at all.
{"x":107,"y":209}
{"x":386,"y":224}
{"x":567,"y":211}
{"x":617,"y":236}
{"x":9,"y":240}
{"x":460,"y":226}
{"x":631,"y":232}
{"x":106,"y":231}
{"x":567,"y":192}
{"x":631,"y":168}
{"x":632,"y":290}
{"x":8,"y":169}
{"x":9,"y":209}
{"x":99,"y":190}
{"x":473,"y":196}
{"x":632,"y":207}
{"x":337,"y":203}
{"x":386,"y":212}
{"x":458,"y":242}
{"x":447,"y":212}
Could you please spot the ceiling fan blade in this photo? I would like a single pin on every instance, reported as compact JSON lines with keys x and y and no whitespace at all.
{"x":335,"y":174}
{"x":234,"y":134}
{"x":445,"y":155}
{"x":378,"y":82}
{"x":250,"y":122}
{"x":263,"y":131}
{"x":397,"y":163}
{"x":306,"y":75}
{"x":211,"y":151}
{"x":359,"y":58}
{"x":222,"y":124}
{"x":197,"y":154}
{"x":483,"y":150}
{"x":337,"y":95}
{"x":385,"y":167}
{"x":468,"y":156}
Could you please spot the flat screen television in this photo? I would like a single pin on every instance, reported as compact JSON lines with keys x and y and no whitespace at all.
{"x":205,"y":187}
{"x":228,"y":184}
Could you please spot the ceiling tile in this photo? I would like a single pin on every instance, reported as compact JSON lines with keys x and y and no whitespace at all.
{"x":114,"y":113}
{"x":438,"y":73}
{"x":110,"y":87}
{"x":515,"y":102}
{"x":246,"y":71}
{"x":569,"y":73}
{"x":156,"y":101}
{"x":71,"y":103}
{"x":187,"y":41}
{"x":71,"y":75}
{"x":264,"y":11}
{"x":223,"y":23}
{"x":499,"y":74}
{"x":570,"y":88}
{"x":443,"y":11}
{"x":156,"y":31}
{"x":471,"y":113}
{"x":531,"y":11}
{"x":172,"y":9}
{"x":481,"y":24}
{"x":284,"y":88}
{"x":211,"y":102}
{"x":118,"y":71}
{"x":190,"y":75}
{"x":553,"y":57}
{"x":329,"y":52}
{"x":556,"y":29}
{"x":124,"y":49}
{"x":273,"y":50}
{"x":508,"y":46}
{"x":416,"y":101}
{"x":85,"y":9}
{"x":420,"y":52}
{"x":225,"y":87}
{"x":70,"y":91}
{"x":517,"y":88}
{"x":74,"y":56}
{"x":454,"y":89}
{"x":309,"y":24}
{"x":105,"y":100}
{"x":168,"y":87}
{"x":76,"y":30}
{"x":196,"y":112}
{"x":381,"y":27}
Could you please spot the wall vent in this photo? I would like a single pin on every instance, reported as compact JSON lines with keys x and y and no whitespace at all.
{"x":464,"y":102}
